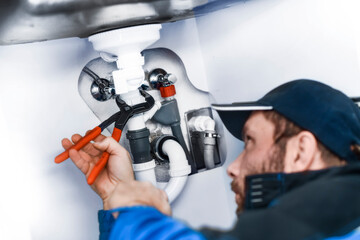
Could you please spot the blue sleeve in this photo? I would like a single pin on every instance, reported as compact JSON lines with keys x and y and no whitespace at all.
{"x":106,"y":222}
{"x":142,"y":222}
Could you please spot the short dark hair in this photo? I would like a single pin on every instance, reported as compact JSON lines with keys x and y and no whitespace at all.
{"x":285,"y":129}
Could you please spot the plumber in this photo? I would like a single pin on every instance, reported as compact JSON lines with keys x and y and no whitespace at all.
{"x":298,"y":176}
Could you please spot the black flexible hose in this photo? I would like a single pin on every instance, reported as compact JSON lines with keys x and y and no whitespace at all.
{"x":91,"y":73}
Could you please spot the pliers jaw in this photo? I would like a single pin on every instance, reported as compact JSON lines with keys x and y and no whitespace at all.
{"x":149,"y":100}
{"x":120,"y":103}
{"x":126,"y":112}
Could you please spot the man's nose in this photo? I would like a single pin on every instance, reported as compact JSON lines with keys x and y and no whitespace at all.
{"x":233,"y":169}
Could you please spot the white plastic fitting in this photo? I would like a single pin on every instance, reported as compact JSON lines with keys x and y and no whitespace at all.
{"x":145,"y":172}
{"x":126,"y":45}
{"x":175,"y":186}
{"x":202,"y":123}
{"x":149,"y":114}
{"x":179,"y":168}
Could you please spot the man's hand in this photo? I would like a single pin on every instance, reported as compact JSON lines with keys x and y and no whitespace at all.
{"x":133,"y":193}
{"x":117,"y":169}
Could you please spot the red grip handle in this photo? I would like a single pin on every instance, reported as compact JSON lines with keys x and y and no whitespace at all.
{"x":98,"y":167}
{"x":116,"y":134}
{"x":103,"y":160}
{"x":81,"y":143}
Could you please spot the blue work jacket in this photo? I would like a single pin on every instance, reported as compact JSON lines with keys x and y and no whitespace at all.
{"x":310,"y":205}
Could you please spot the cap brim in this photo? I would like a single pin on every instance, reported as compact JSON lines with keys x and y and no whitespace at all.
{"x":235,"y":115}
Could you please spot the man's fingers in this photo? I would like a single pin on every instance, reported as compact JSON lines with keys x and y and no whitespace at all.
{"x":88,"y":148}
{"x":66,"y":143}
{"x":99,"y":138}
{"x":79,"y":161}
{"x":91,"y":150}
{"x":111,"y":146}
{"x":75,"y":138}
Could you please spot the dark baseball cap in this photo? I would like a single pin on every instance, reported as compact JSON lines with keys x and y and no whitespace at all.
{"x":329,"y":114}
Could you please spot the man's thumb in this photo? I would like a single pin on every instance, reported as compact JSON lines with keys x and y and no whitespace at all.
{"x":109,"y":145}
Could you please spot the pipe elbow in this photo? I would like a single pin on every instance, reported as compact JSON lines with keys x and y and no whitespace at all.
{"x":179,"y":168}
{"x":203,"y":123}
{"x":175,"y":187}
{"x":178,"y":163}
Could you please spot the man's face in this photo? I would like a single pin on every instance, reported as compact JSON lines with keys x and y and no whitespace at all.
{"x":258,"y":155}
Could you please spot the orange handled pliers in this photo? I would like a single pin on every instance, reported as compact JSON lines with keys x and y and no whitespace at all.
{"x":120,"y":118}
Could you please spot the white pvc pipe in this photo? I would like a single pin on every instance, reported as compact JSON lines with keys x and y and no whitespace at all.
{"x":145,"y":172}
{"x":127,"y":44}
{"x":132,"y":97}
{"x":175,"y":187}
{"x":149,"y":114}
{"x":179,"y":168}
{"x":136,"y":122}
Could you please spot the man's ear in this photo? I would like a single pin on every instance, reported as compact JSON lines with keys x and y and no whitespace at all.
{"x":302,"y":153}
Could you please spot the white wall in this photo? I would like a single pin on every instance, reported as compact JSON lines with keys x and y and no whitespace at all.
{"x":260,"y":44}
{"x":237,"y":53}
{"x":40,"y":105}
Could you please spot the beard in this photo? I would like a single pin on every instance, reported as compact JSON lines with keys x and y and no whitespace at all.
{"x":237,"y":187}
{"x":273,"y":163}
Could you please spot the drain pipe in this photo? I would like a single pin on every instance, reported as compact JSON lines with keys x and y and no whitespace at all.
{"x":143,"y":164}
{"x":124,"y":46}
{"x":179,"y":168}
{"x":138,"y":136}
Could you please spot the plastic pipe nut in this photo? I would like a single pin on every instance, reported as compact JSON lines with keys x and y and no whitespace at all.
{"x":168,"y":91}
